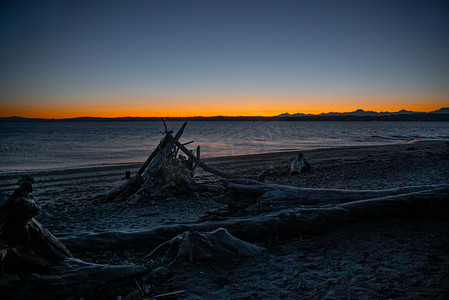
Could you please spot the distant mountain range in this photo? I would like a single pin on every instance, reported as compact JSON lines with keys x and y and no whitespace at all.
{"x":441,"y":114}
{"x":361,"y":112}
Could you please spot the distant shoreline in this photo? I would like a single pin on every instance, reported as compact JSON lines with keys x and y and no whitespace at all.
{"x":421,"y":117}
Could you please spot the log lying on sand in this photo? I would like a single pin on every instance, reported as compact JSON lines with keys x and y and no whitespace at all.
{"x":289,"y":222}
{"x":71,"y":279}
{"x":242,"y":193}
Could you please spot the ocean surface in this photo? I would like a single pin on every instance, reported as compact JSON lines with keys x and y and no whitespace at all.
{"x":52,"y":145}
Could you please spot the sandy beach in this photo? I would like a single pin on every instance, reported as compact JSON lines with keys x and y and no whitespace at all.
{"x":400,"y":258}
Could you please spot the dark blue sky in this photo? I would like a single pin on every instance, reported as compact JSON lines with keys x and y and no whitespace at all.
{"x":63,"y":54}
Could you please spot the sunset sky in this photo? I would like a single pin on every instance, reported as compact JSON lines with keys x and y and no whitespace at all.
{"x":221,"y":57}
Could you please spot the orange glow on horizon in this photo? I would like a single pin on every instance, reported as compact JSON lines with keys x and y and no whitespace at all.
{"x":212,"y":106}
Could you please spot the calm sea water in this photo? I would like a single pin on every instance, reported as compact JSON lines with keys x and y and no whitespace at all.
{"x":42,"y":145}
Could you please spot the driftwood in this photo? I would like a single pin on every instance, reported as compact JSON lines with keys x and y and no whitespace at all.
{"x":217,"y":245}
{"x":298,"y":164}
{"x":25,"y":244}
{"x":165,"y":173}
{"x":288,"y":222}
{"x":217,"y":172}
{"x":71,"y":278}
{"x":143,"y":184}
{"x":34,"y":263}
{"x":240,"y":194}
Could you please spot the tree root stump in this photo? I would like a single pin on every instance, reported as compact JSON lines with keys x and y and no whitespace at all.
{"x":25,"y":245}
{"x":34,"y":264}
{"x":217,"y":245}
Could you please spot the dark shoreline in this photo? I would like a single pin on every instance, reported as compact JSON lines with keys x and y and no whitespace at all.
{"x":420,"y":117}
{"x":213,"y":159}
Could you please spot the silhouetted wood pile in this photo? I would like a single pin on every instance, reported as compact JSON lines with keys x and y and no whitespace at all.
{"x":167,"y":173}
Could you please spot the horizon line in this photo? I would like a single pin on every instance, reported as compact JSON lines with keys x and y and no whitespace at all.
{"x":235,"y":116}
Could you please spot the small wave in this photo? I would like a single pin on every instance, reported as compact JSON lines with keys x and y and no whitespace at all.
{"x":381,"y":137}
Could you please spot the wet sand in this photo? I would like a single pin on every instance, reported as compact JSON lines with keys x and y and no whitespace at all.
{"x":401,"y":258}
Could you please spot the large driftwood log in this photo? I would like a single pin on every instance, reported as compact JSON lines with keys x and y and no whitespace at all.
{"x":289,"y":222}
{"x":25,"y":245}
{"x":70,"y":279}
{"x":243,"y":193}
{"x":161,"y":145}
{"x":35,"y":264}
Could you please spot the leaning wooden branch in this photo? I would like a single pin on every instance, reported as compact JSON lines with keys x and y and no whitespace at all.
{"x":137,"y":186}
{"x":288,"y":222}
{"x":158,"y":161}
{"x":215,"y":171}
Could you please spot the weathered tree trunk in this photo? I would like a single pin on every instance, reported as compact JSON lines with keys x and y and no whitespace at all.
{"x":241,"y":194}
{"x":298,"y":164}
{"x":159,"y":160}
{"x":161,"y":145}
{"x":70,"y":279}
{"x":289,"y":222}
{"x":25,"y":244}
{"x":126,"y":189}
{"x":34,"y":264}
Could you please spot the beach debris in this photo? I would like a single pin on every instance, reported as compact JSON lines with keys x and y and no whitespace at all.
{"x":25,"y":244}
{"x":73,"y":278}
{"x":241,"y":194}
{"x":33,"y":262}
{"x":283,"y":222}
{"x":217,"y":245}
{"x":298,"y":164}
{"x":167,"y":173}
